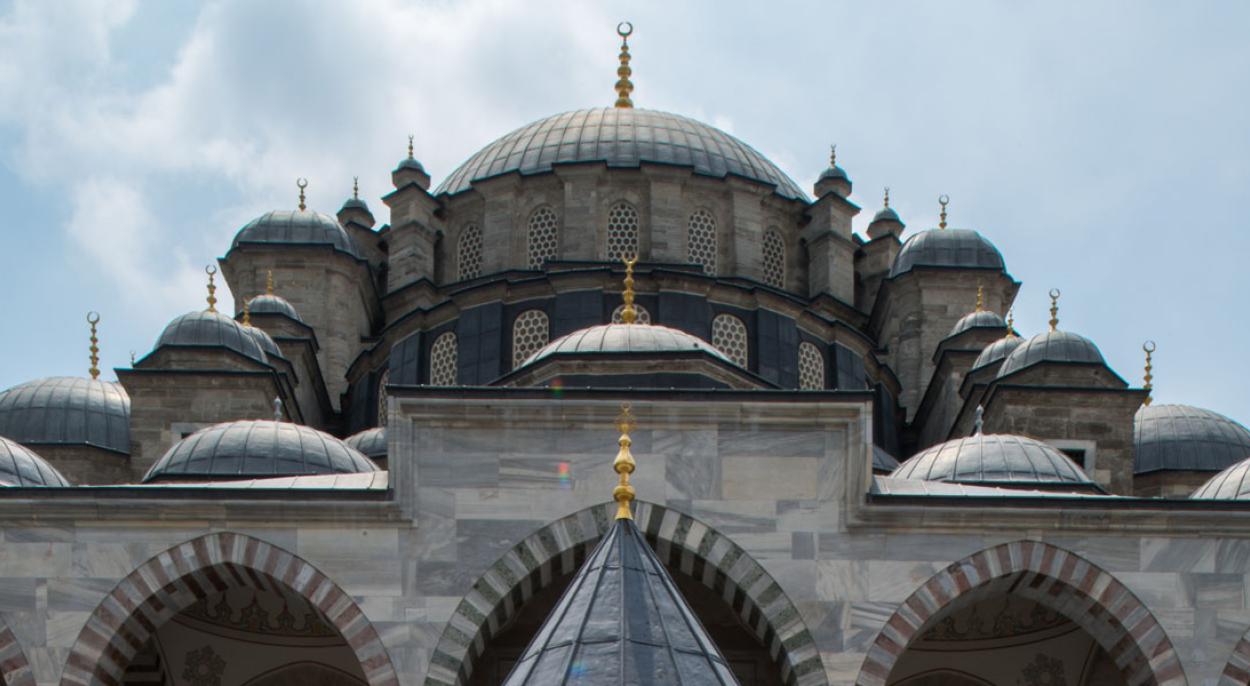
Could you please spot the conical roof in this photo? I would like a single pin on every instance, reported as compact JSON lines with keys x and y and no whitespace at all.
{"x":622,"y":621}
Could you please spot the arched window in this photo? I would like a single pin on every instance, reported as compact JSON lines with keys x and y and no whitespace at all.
{"x":774,"y":259}
{"x":469,"y":254}
{"x":443,"y":360}
{"x":729,"y":335}
{"x":811,"y":367}
{"x":530,"y":332}
{"x":544,"y":237}
{"x":642,"y":315}
{"x":701,"y":241}
{"x":386,"y":378}
{"x":622,"y":232}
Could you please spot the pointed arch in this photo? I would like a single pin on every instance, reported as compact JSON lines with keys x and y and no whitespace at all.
{"x":1050,"y":576}
{"x":170,"y":582}
{"x":1237,"y":669}
{"x":680,"y":541}
{"x":14,"y":668}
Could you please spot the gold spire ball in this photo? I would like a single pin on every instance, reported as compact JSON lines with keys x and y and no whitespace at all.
{"x":1149,"y":348}
{"x":93,"y":318}
{"x":624,"y":87}
{"x":1054,"y":309}
{"x":624,"y":465}
{"x":269,"y":282}
{"x":980,"y":298}
{"x":629,"y":315}
{"x":212,"y":288}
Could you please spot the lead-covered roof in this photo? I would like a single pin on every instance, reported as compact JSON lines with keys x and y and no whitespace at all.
{"x":951,"y":248}
{"x":298,"y":227}
{"x":993,"y":459}
{"x":1182,"y":437}
{"x":67,"y":410}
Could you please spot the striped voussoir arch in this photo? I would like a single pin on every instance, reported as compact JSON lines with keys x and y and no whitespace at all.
{"x":1050,"y":576}
{"x":14,"y":669}
{"x":1237,"y":670}
{"x":683,"y":543}
{"x":170,"y":582}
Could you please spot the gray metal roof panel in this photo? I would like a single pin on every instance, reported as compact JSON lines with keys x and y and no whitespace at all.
{"x":888,"y":485}
{"x":626,"y":338}
{"x":958,"y":248}
{"x":67,"y":410}
{"x":886,"y":214}
{"x":1230,"y":484}
{"x":269,"y":303}
{"x":302,"y":227}
{"x":205,"y":328}
{"x":982,"y":319}
{"x":370,"y":442}
{"x":997,"y":351}
{"x":1052,"y":346}
{"x":1182,"y":437}
{"x":992,"y":458}
{"x":21,"y":466}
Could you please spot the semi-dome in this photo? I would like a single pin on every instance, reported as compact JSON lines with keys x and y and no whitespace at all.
{"x":981,"y":319}
{"x":953,"y":248}
{"x":371,"y":442}
{"x":1183,"y":437}
{"x":67,"y":410}
{"x":257,"y":449}
{"x":208,"y":328}
{"x":20,"y":466}
{"x":299,"y":227}
{"x":268,"y":303}
{"x":1052,"y":346}
{"x":620,"y":138}
{"x":995,"y":459}
{"x":626,"y":338}
{"x":997,"y":351}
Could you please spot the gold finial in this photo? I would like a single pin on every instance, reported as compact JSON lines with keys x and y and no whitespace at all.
{"x":93,"y":318}
{"x":355,"y":188}
{"x":624,"y":464}
{"x":887,"y":197}
{"x":943,"y":200}
{"x":833,"y":156}
{"x":1054,"y":309}
{"x":269,"y":282}
{"x":302,"y":183}
{"x":410,"y":137}
{"x":624,"y":87}
{"x":980,"y":298}
{"x":247,"y":312}
{"x":629,"y":315}
{"x":1149,"y":348}
{"x":1011,"y":323}
{"x":212,"y":288}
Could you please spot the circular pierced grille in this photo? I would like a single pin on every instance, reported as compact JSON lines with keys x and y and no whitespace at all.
{"x":386,"y":378}
{"x":729,"y":335}
{"x":622,"y":232}
{"x":530,"y":332}
{"x":470,"y":252}
{"x":544,"y":237}
{"x":643,"y":316}
{"x":811,"y":367}
{"x":701,"y":247}
{"x":774,"y":259}
{"x":443,"y":360}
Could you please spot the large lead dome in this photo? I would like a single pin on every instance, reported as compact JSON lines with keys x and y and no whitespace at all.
{"x":620,"y":137}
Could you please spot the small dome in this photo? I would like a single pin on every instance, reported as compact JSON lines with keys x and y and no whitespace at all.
{"x":885,"y":214}
{"x":997,"y":351}
{"x":834,"y":173}
{"x":994,"y":459}
{"x":20,"y":466}
{"x":214,"y":329}
{"x":626,"y":338}
{"x":1182,"y":437}
{"x":1230,"y":484}
{"x":1052,"y":346}
{"x":953,"y":248}
{"x":265,"y":341}
{"x":355,"y":204}
{"x":410,"y":163}
{"x":257,"y":449}
{"x":982,"y":319}
{"x":274,"y":304}
{"x":370,"y":442}
{"x":67,"y":410}
{"x":301,"y":227}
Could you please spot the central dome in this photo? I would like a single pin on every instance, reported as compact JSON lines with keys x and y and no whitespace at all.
{"x":623,"y":138}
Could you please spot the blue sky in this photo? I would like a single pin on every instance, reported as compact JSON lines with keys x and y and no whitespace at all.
{"x":1104,"y":147}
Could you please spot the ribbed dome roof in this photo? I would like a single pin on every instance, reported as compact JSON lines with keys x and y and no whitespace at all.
{"x":355,"y":204}
{"x":20,"y":466}
{"x":257,"y":449}
{"x":410,"y":163}
{"x":67,"y":410}
{"x":993,"y":459}
{"x":1230,"y":484}
{"x":1052,"y":346}
{"x":1182,"y":437}
{"x":835,"y":173}
{"x":996,"y":351}
{"x":205,"y":328}
{"x":626,"y":338}
{"x":955,"y":248}
{"x":370,"y":442}
{"x":269,"y":303}
{"x":886,"y":214}
{"x":299,"y":227}
{"x":983,"y":319}
{"x":622,"y":138}
{"x":265,"y":341}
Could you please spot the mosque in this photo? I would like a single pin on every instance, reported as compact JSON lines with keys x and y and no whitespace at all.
{"x":618,"y":402}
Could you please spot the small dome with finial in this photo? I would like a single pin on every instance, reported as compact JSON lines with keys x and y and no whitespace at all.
{"x":270,"y":303}
{"x":354,"y":202}
{"x":948,"y":249}
{"x":1054,"y":346}
{"x":410,"y":162}
{"x":886,"y":220}
{"x":834,"y":178}
{"x":980,"y":318}
{"x":300,"y":227}
{"x":209,"y":328}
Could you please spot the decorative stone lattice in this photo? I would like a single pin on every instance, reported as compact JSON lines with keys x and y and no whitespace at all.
{"x":469,"y":254}
{"x":443,"y":360}
{"x":544,"y":237}
{"x":644,"y":317}
{"x":530,"y":332}
{"x":811,"y":367}
{"x":386,"y":378}
{"x":622,"y":232}
{"x":701,"y":245}
{"x":774,"y":259}
{"x":729,"y":335}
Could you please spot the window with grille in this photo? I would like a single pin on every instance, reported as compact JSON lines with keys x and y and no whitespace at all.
{"x":774,"y":259}
{"x":469,"y":254}
{"x":386,"y":378}
{"x":701,"y":241}
{"x":622,"y":232}
{"x":544,"y":237}
{"x":811,"y":367}
{"x":530,"y":332}
{"x":729,"y":335}
{"x":443,"y":360}
{"x":643,"y":316}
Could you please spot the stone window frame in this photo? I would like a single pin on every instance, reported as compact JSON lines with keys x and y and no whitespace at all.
{"x":729,"y":335}
{"x":444,"y":355}
{"x":709,"y":264}
{"x":469,"y":249}
{"x":553,"y":251}
{"x":608,"y":238}
{"x":531,"y":330}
